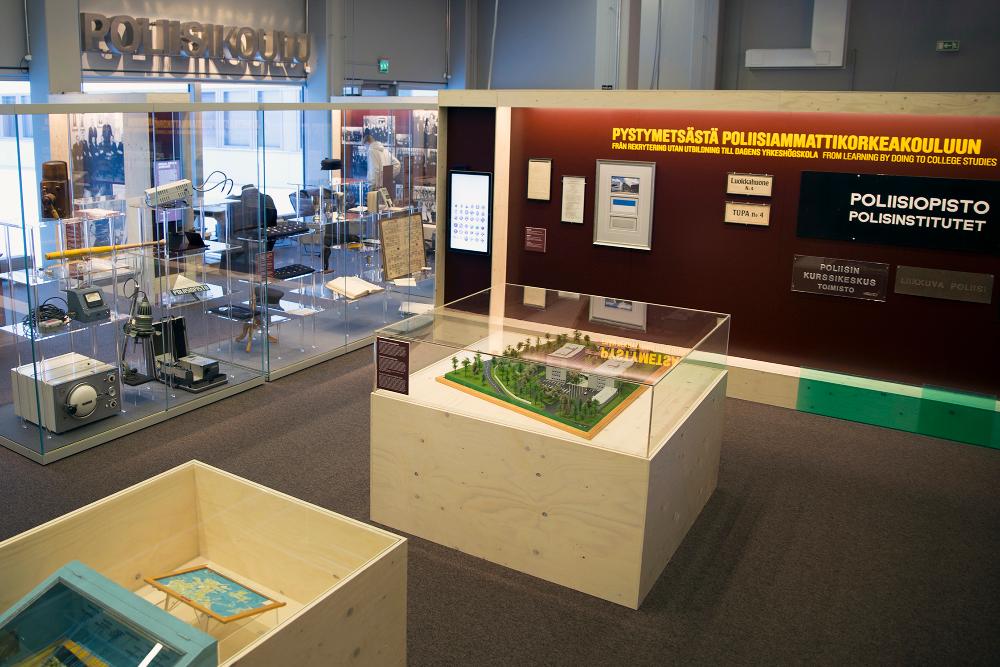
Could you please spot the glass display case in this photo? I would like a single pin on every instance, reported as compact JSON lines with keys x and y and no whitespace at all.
{"x":272,"y":237}
{"x":113,"y":274}
{"x":607,"y":372}
{"x":78,"y":617}
{"x":357,"y":250}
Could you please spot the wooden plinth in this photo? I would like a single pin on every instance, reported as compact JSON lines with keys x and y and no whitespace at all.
{"x":595,"y":520}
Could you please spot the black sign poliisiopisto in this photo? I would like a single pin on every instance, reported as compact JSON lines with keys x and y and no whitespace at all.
{"x":937,"y":213}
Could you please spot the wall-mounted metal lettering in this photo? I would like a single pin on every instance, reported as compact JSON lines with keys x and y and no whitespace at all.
{"x":125,"y":35}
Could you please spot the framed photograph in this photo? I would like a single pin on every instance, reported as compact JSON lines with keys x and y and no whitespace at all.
{"x":631,"y":314}
{"x":382,"y":128}
{"x":624,"y":205}
{"x":352,"y":135}
{"x":98,"y":154}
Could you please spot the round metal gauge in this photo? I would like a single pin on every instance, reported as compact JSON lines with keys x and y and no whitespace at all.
{"x":81,"y":401}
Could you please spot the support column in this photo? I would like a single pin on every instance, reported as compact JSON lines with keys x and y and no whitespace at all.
{"x":317,"y":139}
{"x":688,"y":44}
{"x":55,"y":48}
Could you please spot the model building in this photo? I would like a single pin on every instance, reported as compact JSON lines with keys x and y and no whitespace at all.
{"x":566,"y":380}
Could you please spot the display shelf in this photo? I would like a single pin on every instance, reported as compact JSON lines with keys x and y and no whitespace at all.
{"x":214,"y":293}
{"x":342,"y":583}
{"x":21,"y":330}
{"x":30,"y":277}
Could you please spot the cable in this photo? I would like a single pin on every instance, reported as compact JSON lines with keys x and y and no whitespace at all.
{"x":226,"y":182}
{"x":45,"y":312}
{"x":493,"y":42}
{"x":654,"y":75}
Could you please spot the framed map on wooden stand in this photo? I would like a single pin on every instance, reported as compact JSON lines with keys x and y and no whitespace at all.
{"x":213,"y":594}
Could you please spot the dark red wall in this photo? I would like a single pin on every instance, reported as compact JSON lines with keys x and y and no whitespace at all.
{"x":474,"y":132}
{"x":698,"y":261}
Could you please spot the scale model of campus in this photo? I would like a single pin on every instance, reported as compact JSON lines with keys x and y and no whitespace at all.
{"x":569,"y":382}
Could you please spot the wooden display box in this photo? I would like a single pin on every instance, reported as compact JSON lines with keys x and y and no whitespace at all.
{"x":343,"y":582}
{"x":596,"y":520}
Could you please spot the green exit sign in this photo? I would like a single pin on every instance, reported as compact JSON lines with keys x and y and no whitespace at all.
{"x":947,"y":45}
{"x":383,"y":65}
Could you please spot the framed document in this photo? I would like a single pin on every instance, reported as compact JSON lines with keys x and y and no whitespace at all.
{"x":573,"y":190}
{"x":624,"y":204}
{"x":539,"y":179}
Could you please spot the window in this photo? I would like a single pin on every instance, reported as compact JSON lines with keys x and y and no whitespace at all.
{"x":209,"y":124}
{"x":17,"y":168}
{"x":282,"y":129}
{"x":15,"y":92}
{"x":238,"y":126}
{"x":234,"y":144}
{"x":119,"y":87}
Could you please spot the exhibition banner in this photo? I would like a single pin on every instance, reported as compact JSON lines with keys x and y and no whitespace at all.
{"x":937,"y":213}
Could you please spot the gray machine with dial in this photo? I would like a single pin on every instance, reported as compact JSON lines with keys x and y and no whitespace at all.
{"x":73,"y":390}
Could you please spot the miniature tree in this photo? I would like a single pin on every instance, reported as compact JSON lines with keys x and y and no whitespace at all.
{"x":586,"y":340}
{"x":576,"y":336}
{"x":454,"y":364}
{"x":465,"y":365}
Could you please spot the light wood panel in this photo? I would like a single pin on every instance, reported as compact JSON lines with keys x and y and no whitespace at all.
{"x":567,"y":513}
{"x":599,"y":521}
{"x":675,"y":398}
{"x":142,"y":531}
{"x":768,"y":384}
{"x":344,"y":581}
{"x":363,"y":623}
{"x":682,"y":477}
{"x":292,"y":547}
{"x":964,"y":104}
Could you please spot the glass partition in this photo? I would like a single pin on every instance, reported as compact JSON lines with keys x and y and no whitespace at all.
{"x":602,"y":371}
{"x":358,"y":249}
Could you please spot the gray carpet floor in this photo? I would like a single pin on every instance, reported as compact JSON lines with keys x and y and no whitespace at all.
{"x":826,"y":542}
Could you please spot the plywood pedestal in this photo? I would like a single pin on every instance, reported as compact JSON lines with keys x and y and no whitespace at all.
{"x":595,"y":520}
{"x":343,"y":583}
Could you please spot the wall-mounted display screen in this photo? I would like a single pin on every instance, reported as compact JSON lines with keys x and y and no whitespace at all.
{"x":470,"y":211}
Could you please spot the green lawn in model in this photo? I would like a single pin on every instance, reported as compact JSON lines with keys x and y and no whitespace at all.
{"x":577,"y":416}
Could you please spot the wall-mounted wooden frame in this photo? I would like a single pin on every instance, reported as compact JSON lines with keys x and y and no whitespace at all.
{"x":623,"y":208}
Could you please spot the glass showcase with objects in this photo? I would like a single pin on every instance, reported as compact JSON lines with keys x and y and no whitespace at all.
{"x":159,"y":259}
{"x":357,"y":249}
{"x":607,"y":372}
{"x":110,"y":280}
